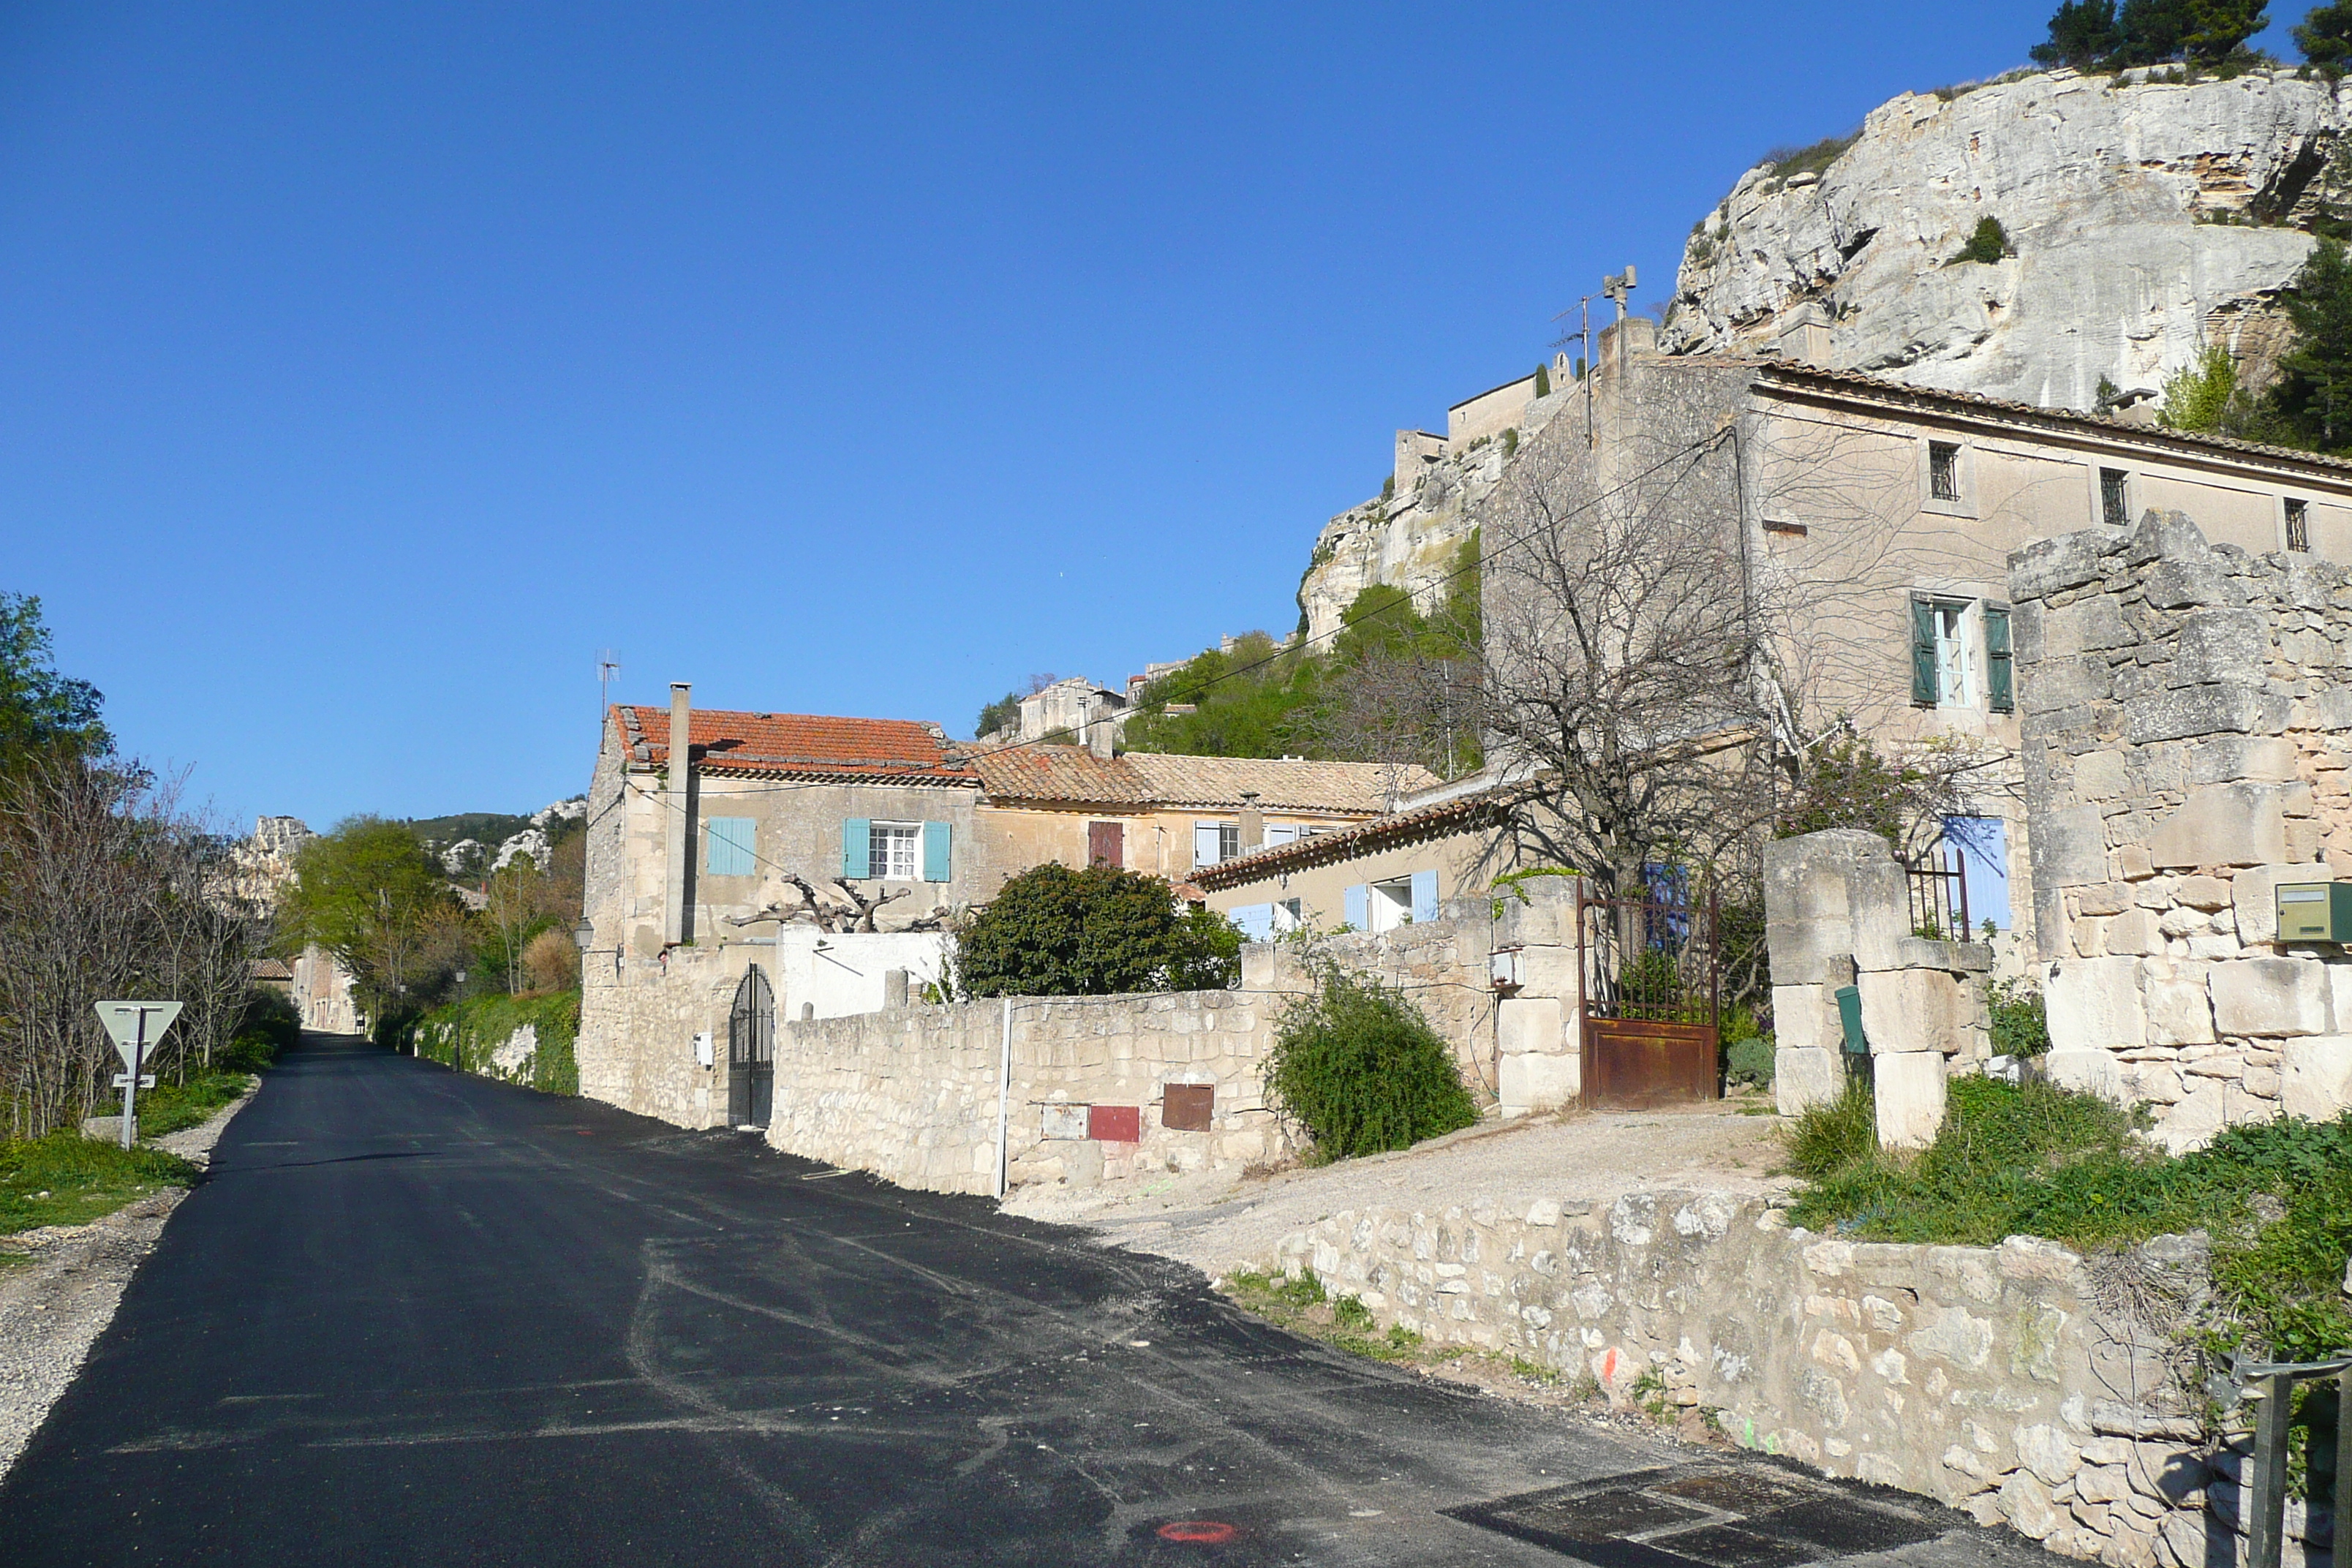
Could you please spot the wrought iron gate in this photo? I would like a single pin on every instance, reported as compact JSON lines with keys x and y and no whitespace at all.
{"x":1651,"y":999}
{"x":752,"y":1052}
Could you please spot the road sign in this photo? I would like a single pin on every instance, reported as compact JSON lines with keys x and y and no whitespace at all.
{"x":136,"y":1027}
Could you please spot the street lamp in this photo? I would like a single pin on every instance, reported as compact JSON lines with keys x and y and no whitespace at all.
{"x":585,"y":932}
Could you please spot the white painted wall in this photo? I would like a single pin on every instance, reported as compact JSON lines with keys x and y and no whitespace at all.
{"x":842,"y":977}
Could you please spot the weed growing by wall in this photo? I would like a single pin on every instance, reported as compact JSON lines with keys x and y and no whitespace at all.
{"x":1358,"y":1066}
{"x":469,"y":1035}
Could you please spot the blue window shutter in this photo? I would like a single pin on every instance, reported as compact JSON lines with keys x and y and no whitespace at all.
{"x":1359,"y":906}
{"x":1256,"y":920}
{"x":1424,"y":897}
{"x":937,"y":859}
{"x":856,"y":845}
{"x":728,"y":845}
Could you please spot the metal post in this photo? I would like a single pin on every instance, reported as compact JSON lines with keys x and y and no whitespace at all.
{"x":2344,"y":1463}
{"x":1004,"y":1099}
{"x":2261,"y":1501}
{"x":131,"y":1084}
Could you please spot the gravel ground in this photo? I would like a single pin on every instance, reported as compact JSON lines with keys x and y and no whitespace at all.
{"x":1218,"y":1222}
{"x":54,"y":1306}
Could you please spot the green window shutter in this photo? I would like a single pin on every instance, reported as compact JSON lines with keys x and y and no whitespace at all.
{"x":937,"y":858}
{"x":1999,"y":675}
{"x":1923,"y":653}
{"x":728,"y":845}
{"x":856,"y":845}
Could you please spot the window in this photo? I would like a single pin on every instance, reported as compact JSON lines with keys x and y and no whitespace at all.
{"x":1943,"y":470}
{"x":728,"y":845}
{"x":891,"y":851}
{"x":2298,"y":524}
{"x":1941,"y":665}
{"x":1289,"y":914}
{"x":1399,"y":900}
{"x":2115,"y":504}
{"x":1213,"y":842}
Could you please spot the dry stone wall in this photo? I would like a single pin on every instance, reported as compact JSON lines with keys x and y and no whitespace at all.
{"x":2022,"y":1383}
{"x":2184,"y":709}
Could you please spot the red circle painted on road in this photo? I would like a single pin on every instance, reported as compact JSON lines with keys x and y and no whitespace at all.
{"x":1203,"y":1531}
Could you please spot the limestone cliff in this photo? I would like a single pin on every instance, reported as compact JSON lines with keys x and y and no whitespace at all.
{"x":2145,"y":214}
{"x":1409,"y":539}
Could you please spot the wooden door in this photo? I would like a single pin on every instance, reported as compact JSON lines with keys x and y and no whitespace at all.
{"x":1106,"y":844}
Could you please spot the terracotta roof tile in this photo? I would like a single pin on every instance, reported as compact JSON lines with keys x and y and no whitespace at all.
{"x":1462,"y":814}
{"x":1071,"y":774}
{"x":729,"y":741}
{"x":1365,"y":788}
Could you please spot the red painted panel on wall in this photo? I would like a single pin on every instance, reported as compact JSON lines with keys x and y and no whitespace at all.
{"x":1115,"y":1123}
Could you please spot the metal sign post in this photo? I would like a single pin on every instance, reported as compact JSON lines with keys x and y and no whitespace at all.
{"x":134,"y":1027}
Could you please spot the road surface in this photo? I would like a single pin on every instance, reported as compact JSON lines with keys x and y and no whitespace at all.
{"x":420,"y":1317}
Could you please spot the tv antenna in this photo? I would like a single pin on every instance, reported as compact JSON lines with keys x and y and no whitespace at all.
{"x":608,"y":671}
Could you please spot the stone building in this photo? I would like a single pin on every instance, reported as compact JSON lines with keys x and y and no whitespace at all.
{"x":802,"y":868}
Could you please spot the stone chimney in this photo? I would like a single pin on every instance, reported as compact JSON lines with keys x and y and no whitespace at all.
{"x":678,"y":818}
{"x":1804,"y":338}
{"x":1102,"y":735}
{"x":1252,"y":833}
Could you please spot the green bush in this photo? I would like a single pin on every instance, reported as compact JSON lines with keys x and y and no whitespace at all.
{"x":1750,"y":1061}
{"x":175,"y":1107}
{"x":1056,"y":931}
{"x":2021,"y":1023}
{"x":1989,"y":243}
{"x":1356,"y":1064}
{"x":269,"y":1026}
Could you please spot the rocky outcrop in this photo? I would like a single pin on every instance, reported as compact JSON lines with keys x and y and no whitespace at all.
{"x":1412,"y":537}
{"x":2145,"y":215}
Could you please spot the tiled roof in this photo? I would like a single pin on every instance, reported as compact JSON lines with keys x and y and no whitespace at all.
{"x":1066,"y":773}
{"x":270,"y":969}
{"x":729,"y":741}
{"x":1462,"y":814}
{"x":1282,"y":785}
{"x":2099,"y":424}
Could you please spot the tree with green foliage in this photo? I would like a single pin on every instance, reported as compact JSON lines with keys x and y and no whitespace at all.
{"x":2311,"y":399}
{"x":1543,"y":381}
{"x":2097,"y":35}
{"x":1988,"y":243}
{"x":1358,"y":1066}
{"x":2202,"y":397}
{"x":41,"y":712}
{"x":1845,"y":782}
{"x":2324,"y":36}
{"x":999,"y":714}
{"x":1056,"y":931}
{"x":367,"y":893}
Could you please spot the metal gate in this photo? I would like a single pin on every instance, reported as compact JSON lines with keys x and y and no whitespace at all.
{"x":752,"y":1052}
{"x":1653,"y":995}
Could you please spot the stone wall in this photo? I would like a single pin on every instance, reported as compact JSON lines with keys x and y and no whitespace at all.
{"x":913,"y":1093}
{"x":2022,"y":1383}
{"x":2183,"y":710}
{"x":1837,"y":909}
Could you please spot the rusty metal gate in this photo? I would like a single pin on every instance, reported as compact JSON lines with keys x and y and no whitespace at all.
{"x":1653,"y":995}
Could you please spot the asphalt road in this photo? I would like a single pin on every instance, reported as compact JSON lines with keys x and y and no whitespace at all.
{"x":420,"y":1317}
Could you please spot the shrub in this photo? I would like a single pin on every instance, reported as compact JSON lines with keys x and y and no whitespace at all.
{"x":1543,"y":382}
{"x":552,"y":961}
{"x":1357,"y":1065}
{"x":1989,"y":243}
{"x":269,"y":1026}
{"x":2021,"y":1023}
{"x":1056,"y":931}
{"x":467,"y":1035}
{"x":1750,"y":1061}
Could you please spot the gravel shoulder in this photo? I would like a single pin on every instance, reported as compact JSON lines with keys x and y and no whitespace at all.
{"x":1219,"y":1222}
{"x":59,"y":1288}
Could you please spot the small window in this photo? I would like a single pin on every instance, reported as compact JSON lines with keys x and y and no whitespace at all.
{"x":893,"y":851}
{"x":2298,"y":525}
{"x":2115,"y":504}
{"x":1289,"y":914}
{"x":1941,"y":661}
{"x":1214,"y":843}
{"x":1392,"y":904}
{"x":1943,"y":470}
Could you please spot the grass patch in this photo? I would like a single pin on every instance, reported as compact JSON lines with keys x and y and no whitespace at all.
{"x":467,"y":1034}
{"x":1303,"y":1306}
{"x":67,"y":1179}
{"x":175,"y":1107}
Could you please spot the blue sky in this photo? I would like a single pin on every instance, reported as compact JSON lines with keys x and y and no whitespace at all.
{"x":371,"y":367}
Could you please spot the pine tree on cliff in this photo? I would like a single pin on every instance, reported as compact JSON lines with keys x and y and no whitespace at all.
{"x":2313,"y":397}
{"x":2082,"y":33}
{"x":2099,"y":35}
{"x":2324,"y":36}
